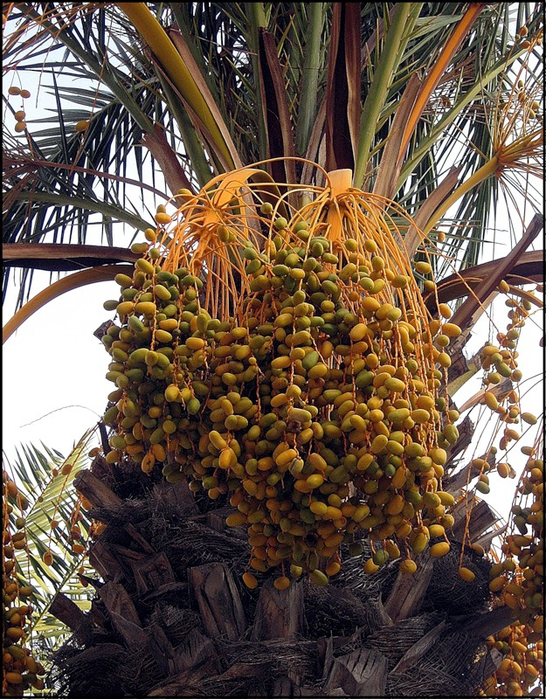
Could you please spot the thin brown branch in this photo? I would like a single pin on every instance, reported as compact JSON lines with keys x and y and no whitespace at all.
{"x":57,"y":257}
{"x":277,"y":112}
{"x":412,"y":239}
{"x":173,"y":172}
{"x":529,"y":268}
{"x":343,"y":89}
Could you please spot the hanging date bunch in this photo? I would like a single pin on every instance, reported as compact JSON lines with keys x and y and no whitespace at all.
{"x":273,"y":346}
{"x":20,"y":669}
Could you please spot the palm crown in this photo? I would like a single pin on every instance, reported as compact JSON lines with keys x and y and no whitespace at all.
{"x":430,"y":105}
{"x":406,"y":124}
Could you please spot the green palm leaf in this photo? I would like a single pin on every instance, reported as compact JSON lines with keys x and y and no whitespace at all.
{"x":126,"y":93}
{"x":44,"y":477}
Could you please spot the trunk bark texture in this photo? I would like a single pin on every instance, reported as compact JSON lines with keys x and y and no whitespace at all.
{"x":171,"y":616}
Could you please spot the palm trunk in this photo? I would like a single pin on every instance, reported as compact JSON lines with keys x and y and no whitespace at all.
{"x":172,"y":618}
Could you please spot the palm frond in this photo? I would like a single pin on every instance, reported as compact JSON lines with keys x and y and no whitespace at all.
{"x":44,"y":478}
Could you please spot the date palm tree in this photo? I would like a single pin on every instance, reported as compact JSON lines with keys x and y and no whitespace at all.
{"x":429,"y":114}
